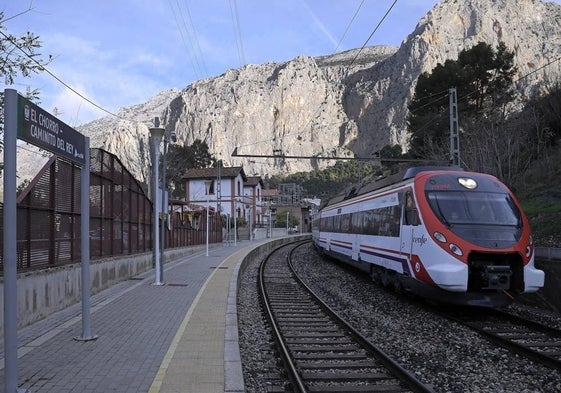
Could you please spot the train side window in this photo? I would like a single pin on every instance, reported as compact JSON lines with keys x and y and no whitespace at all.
{"x":411,"y":216}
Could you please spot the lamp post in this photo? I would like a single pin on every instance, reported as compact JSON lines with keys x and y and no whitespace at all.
{"x":235,"y":221}
{"x":165,"y":205}
{"x":248,"y":207}
{"x":287,"y":222}
{"x":156,"y":134}
{"x":207,"y":190}
{"x":228,"y":228}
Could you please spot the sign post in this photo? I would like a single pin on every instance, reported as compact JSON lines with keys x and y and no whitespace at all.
{"x":27,"y":121}
{"x":10,"y":243}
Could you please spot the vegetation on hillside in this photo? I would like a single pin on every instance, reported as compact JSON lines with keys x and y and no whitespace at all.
{"x":539,"y":192}
{"x":327,"y":183}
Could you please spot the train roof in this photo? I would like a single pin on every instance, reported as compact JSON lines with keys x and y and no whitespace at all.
{"x":385,"y":181}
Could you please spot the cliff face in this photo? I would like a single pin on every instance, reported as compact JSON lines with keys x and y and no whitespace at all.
{"x":322,"y":107}
{"x":296,"y":108}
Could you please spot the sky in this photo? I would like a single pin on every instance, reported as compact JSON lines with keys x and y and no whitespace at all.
{"x":119,"y":53}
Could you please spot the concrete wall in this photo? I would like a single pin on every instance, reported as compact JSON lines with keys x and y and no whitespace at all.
{"x":261,"y":233}
{"x":43,"y":292}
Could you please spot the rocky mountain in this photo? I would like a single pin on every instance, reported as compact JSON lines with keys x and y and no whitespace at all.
{"x":350,"y":103}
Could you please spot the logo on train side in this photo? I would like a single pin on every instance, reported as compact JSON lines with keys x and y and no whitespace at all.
{"x":420,"y":240}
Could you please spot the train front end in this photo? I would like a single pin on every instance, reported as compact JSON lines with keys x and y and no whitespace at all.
{"x":486,"y":253}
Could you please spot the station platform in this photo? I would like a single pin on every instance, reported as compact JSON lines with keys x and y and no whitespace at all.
{"x":176,"y":337}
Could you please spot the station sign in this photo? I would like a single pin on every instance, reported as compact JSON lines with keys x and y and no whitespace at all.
{"x":40,"y":128}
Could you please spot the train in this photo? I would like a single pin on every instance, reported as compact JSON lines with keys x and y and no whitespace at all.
{"x":437,"y":232}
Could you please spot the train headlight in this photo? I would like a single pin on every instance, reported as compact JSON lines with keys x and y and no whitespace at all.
{"x":440,"y":237}
{"x":468,"y":182}
{"x":528,"y":251}
{"x":456,"y":250}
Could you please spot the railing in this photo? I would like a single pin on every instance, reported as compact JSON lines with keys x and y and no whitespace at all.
{"x":48,"y":216}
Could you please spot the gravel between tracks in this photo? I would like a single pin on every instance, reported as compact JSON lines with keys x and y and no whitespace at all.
{"x":443,"y":354}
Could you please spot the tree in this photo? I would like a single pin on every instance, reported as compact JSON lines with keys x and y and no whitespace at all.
{"x":390,"y":151}
{"x":181,"y":158}
{"x":18,"y":56}
{"x":483,"y":78}
{"x":281,"y":219}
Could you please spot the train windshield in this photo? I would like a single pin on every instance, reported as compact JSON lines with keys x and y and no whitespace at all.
{"x":474,"y":208}
{"x":486,"y":219}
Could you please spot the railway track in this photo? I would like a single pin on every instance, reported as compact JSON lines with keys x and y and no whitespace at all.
{"x":531,"y":339}
{"x":321,"y":352}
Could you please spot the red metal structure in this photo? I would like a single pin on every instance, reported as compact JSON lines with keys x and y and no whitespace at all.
{"x":48,"y":216}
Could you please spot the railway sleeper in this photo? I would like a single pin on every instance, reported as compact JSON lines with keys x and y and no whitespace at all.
{"x":320,"y":341}
{"x":295,"y":334}
{"x":342,"y":388}
{"x":336,"y":364}
{"x":330,"y":356}
{"x":347,"y":377}
{"x":324,"y":348}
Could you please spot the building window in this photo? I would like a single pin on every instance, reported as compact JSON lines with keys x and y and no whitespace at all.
{"x":210,"y":188}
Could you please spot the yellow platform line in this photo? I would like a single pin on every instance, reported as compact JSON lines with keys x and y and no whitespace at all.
{"x":164,"y":366}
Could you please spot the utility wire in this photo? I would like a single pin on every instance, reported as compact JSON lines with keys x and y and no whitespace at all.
{"x":314,"y":115}
{"x":372,"y":34}
{"x":183,"y":33}
{"x":16,"y":15}
{"x":237,"y":31}
{"x":196,"y":37}
{"x":42,"y":67}
{"x":349,"y":26}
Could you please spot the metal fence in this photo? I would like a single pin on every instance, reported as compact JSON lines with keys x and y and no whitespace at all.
{"x":48,"y":216}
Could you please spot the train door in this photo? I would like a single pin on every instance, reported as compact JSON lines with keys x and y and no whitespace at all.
{"x":409,"y":222}
{"x":355,"y":255}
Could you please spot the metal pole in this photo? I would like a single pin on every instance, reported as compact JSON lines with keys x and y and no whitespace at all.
{"x":235,"y":221}
{"x":208,"y":184}
{"x":454,"y":129}
{"x":287,"y":222}
{"x":250,"y":227}
{"x":207,"y":208}
{"x":228,"y":228}
{"x":85,"y":244}
{"x":164,"y":210}
{"x":10,"y":242}
{"x":156,"y":134}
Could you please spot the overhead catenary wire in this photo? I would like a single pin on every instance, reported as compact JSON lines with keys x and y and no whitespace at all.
{"x":349,"y":26}
{"x":188,"y":44}
{"x":237,"y":31}
{"x":314,"y":115}
{"x":372,"y":34}
{"x":196,"y":43}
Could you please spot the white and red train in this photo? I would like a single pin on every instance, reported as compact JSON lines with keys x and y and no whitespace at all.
{"x":438,"y":232}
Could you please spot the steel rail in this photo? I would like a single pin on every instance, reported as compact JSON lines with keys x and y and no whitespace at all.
{"x":404,"y":375}
{"x":323,"y":318}
{"x":506,"y":335}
